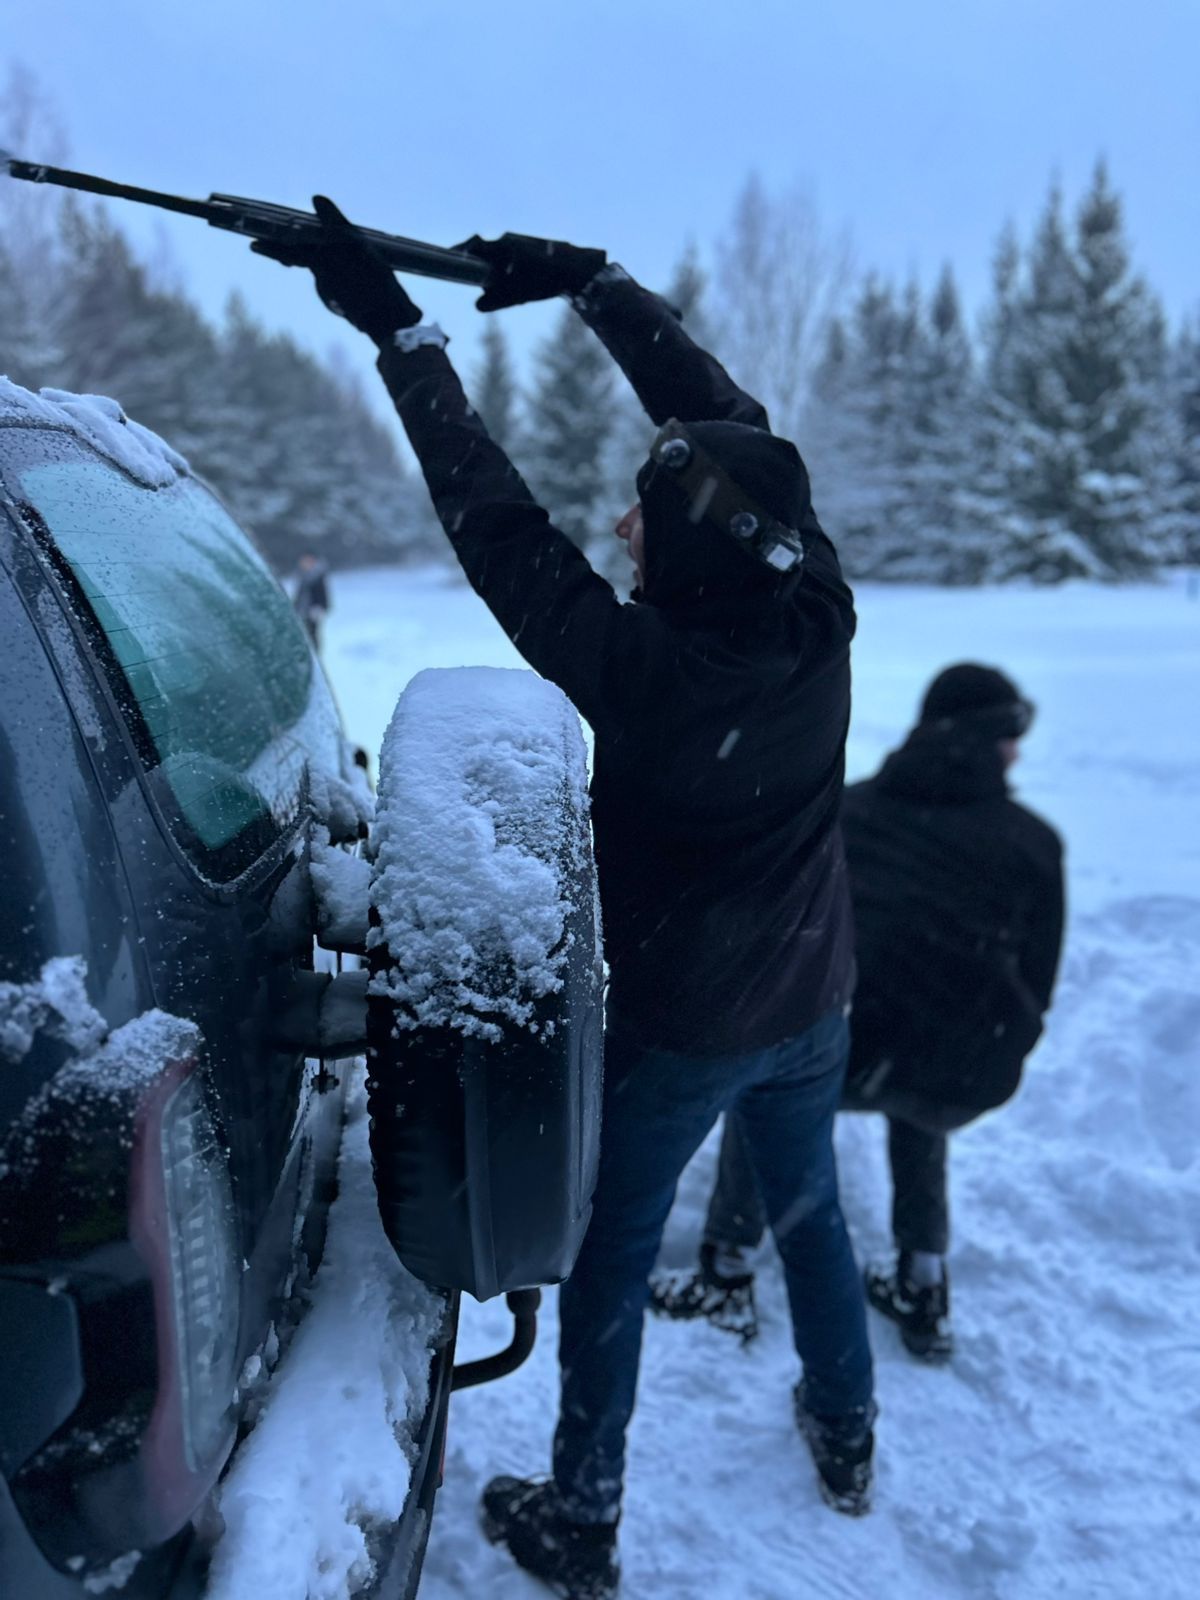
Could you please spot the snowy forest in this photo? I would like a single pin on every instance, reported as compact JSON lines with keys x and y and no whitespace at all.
{"x":1057,"y":438}
{"x":1056,"y":435}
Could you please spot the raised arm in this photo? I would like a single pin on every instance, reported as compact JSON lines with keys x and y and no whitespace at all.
{"x":670,"y":374}
{"x":561,"y":615}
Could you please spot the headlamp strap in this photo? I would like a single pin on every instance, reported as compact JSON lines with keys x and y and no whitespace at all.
{"x":713,"y":496}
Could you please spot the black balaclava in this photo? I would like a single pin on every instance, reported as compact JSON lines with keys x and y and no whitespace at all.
{"x":697,"y":566}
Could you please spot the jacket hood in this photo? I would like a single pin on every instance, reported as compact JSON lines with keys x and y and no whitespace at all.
{"x":691,"y":565}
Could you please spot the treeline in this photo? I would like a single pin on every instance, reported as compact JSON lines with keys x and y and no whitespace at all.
{"x":1062,"y":443}
{"x":1059,"y":439}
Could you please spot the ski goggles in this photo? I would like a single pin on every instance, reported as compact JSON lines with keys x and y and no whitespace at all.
{"x":713,"y":496}
{"x":1008,"y":719}
{"x":1018,"y":716}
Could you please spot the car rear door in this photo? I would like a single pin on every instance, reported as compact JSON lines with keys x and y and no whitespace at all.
{"x":222,"y":714}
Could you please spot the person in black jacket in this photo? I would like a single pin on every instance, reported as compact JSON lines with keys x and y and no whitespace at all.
{"x":311,"y":595}
{"x":719,"y":703}
{"x":958,"y":904}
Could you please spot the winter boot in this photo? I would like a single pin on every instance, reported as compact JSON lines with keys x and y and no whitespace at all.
{"x":921,"y":1312}
{"x":578,"y":1560}
{"x":725,"y":1299}
{"x":842,"y":1450}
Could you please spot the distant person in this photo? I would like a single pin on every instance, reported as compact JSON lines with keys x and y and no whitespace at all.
{"x":958,"y":904}
{"x":311,"y":597}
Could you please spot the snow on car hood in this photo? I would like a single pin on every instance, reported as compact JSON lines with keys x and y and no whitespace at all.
{"x":483,"y":777}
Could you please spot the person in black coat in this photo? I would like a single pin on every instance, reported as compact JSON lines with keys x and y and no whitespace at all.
{"x":719,"y":702}
{"x":311,"y":595}
{"x":958,"y":904}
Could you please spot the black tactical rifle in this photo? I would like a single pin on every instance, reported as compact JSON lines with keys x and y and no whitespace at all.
{"x":259,"y":219}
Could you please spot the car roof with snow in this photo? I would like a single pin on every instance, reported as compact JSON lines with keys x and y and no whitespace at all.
{"x":98,"y":422}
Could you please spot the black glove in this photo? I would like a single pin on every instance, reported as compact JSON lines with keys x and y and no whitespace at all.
{"x":526,"y":269}
{"x":352,"y":278}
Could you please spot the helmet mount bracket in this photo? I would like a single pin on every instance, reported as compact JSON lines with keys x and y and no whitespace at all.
{"x":713,"y":496}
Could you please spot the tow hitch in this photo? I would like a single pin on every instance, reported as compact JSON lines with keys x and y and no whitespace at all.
{"x":523,"y":1303}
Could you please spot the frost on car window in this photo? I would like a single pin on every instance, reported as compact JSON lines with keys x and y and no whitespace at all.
{"x":225,"y":695}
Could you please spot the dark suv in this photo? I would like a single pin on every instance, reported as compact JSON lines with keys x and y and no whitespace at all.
{"x":168,"y":1131}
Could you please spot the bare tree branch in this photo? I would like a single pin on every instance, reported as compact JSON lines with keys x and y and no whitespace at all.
{"x":780,"y":278}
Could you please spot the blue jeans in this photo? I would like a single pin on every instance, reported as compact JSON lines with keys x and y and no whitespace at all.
{"x":658,"y":1107}
{"x":920,"y":1205}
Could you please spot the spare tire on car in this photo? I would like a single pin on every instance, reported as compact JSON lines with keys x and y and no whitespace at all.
{"x":484,"y":1025}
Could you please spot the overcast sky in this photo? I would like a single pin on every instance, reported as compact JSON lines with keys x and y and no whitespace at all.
{"x":922,"y":124}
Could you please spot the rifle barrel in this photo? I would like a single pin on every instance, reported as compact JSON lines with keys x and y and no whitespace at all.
{"x":34,"y":172}
{"x":260,"y":219}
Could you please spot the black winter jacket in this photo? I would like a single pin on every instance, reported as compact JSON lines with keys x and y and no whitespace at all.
{"x":958,"y":905}
{"x":719,"y":710}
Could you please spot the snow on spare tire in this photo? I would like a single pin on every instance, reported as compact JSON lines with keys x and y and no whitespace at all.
{"x":484,"y":946}
{"x":482,"y":791}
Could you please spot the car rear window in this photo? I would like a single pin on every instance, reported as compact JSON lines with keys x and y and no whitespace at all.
{"x":213,"y":664}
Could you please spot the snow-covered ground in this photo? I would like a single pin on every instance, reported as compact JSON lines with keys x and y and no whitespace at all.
{"x":1059,"y":1455}
{"x":330,"y":1452}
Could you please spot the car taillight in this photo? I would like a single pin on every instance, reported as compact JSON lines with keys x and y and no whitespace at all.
{"x":157,"y":1300}
{"x":182,"y":1222}
{"x":204,"y":1275}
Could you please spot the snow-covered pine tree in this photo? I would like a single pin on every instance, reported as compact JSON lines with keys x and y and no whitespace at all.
{"x":301,"y":458}
{"x":1035,"y":451}
{"x":494,"y":389}
{"x":570,"y":422}
{"x":151,"y":350}
{"x":687,"y":294}
{"x":854,"y":437}
{"x":381,"y":512}
{"x":1184,"y":394}
{"x":823,"y":438}
{"x":1074,"y":353}
{"x":940,"y":518}
{"x":1116,"y":378}
{"x":18,"y":333}
{"x":1007,"y":528}
{"x":266,"y":449}
{"x":30,"y":231}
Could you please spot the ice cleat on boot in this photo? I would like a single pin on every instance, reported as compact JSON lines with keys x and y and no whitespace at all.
{"x":724,"y":1299}
{"x":842,"y":1451}
{"x":577,"y":1560}
{"x":922,"y":1313}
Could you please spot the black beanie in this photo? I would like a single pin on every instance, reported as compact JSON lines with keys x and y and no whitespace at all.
{"x":977,"y":695}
